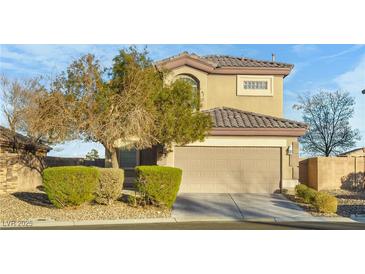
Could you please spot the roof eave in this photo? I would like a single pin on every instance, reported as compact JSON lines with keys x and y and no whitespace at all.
{"x":287,"y":132}
{"x":209,"y":67}
{"x":252,"y":71}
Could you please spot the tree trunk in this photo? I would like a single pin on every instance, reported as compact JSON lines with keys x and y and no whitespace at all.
{"x":111,"y":159}
{"x":114,"y":158}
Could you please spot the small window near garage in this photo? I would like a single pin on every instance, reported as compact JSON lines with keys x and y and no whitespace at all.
{"x":248,"y":85}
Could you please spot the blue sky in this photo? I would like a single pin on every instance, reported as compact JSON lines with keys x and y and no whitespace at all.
{"x":317,"y":67}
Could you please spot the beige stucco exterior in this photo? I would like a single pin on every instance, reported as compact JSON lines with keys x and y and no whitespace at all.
{"x":221,"y":91}
{"x":223,"y":87}
{"x":327,"y":173}
{"x":19,"y":170}
{"x":289,"y":160}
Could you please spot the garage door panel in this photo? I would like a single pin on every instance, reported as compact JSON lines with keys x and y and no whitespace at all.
{"x":229,"y":169}
{"x":256,"y":188}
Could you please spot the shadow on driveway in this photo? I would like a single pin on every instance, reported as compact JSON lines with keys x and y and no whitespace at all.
{"x":236,"y":206}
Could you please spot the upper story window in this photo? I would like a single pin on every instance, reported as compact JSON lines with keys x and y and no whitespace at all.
{"x":194,"y":83}
{"x":250,"y":85}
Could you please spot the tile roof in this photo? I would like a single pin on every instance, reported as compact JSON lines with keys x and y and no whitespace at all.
{"x":8,"y":137}
{"x":233,"y":118}
{"x":232,"y":61}
{"x":219,"y":61}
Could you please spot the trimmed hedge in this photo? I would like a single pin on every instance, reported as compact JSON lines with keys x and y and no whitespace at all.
{"x":110,"y":185}
{"x":325,"y":203}
{"x":158,"y":184}
{"x":70,"y":185}
{"x":306,"y":193}
{"x":321,"y":201}
{"x":299,"y":189}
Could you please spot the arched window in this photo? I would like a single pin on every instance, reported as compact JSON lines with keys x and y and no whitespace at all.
{"x":193,"y":81}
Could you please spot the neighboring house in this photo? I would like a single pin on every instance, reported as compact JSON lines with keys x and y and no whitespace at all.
{"x":20,"y":162}
{"x":251,"y":147}
{"x":357,"y":152}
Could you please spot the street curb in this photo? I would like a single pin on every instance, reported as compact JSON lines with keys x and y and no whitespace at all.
{"x":103,"y":222}
{"x":206,"y":219}
{"x":175,"y":219}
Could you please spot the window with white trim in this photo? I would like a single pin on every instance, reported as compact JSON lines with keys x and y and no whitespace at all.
{"x":252,"y":85}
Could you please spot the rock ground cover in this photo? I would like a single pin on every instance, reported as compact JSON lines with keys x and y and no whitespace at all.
{"x":349,"y":203}
{"x":35,"y":205}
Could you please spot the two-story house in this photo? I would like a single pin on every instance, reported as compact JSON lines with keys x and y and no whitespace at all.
{"x":251,"y":147}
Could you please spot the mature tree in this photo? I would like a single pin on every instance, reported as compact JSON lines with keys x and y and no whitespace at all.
{"x":328,"y":116}
{"x":92,"y":155}
{"x":31,"y":110}
{"x":127,"y":105}
{"x":14,"y":96}
{"x":177,"y":122}
{"x":116,"y":111}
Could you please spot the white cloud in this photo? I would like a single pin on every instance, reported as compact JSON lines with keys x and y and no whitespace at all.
{"x":346,"y":51}
{"x":353,"y":81}
{"x":304,"y":49}
{"x":50,"y":59}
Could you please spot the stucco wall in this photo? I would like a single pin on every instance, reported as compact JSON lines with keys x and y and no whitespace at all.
{"x":325,"y":173}
{"x":221,"y":91}
{"x":359,"y":152}
{"x":289,"y":163}
{"x":18,"y":173}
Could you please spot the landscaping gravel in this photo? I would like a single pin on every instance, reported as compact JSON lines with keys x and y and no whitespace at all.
{"x":349,"y":202}
{"x":35,"y":205}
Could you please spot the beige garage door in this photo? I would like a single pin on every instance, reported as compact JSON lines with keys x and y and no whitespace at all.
{"x":229,"y":169}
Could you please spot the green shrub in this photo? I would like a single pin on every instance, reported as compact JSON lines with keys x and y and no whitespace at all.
{"x":70,"y":185}
{"x":300,"y":189}
{"x":308,"y":195}
{"x":158,"y":184}
{"x":110,"y":184}
{"x":325,"y":203}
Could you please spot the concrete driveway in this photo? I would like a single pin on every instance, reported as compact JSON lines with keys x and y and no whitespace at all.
{"x":269,"y":207}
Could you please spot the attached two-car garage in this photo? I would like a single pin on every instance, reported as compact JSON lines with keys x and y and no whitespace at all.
{"x":229,"y":169}
{"x":244,"y":152}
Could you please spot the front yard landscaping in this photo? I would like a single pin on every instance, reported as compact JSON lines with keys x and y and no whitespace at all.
{"x":22,"y":206}
{"x":349,"y":202}
{"x":76,"y":193}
